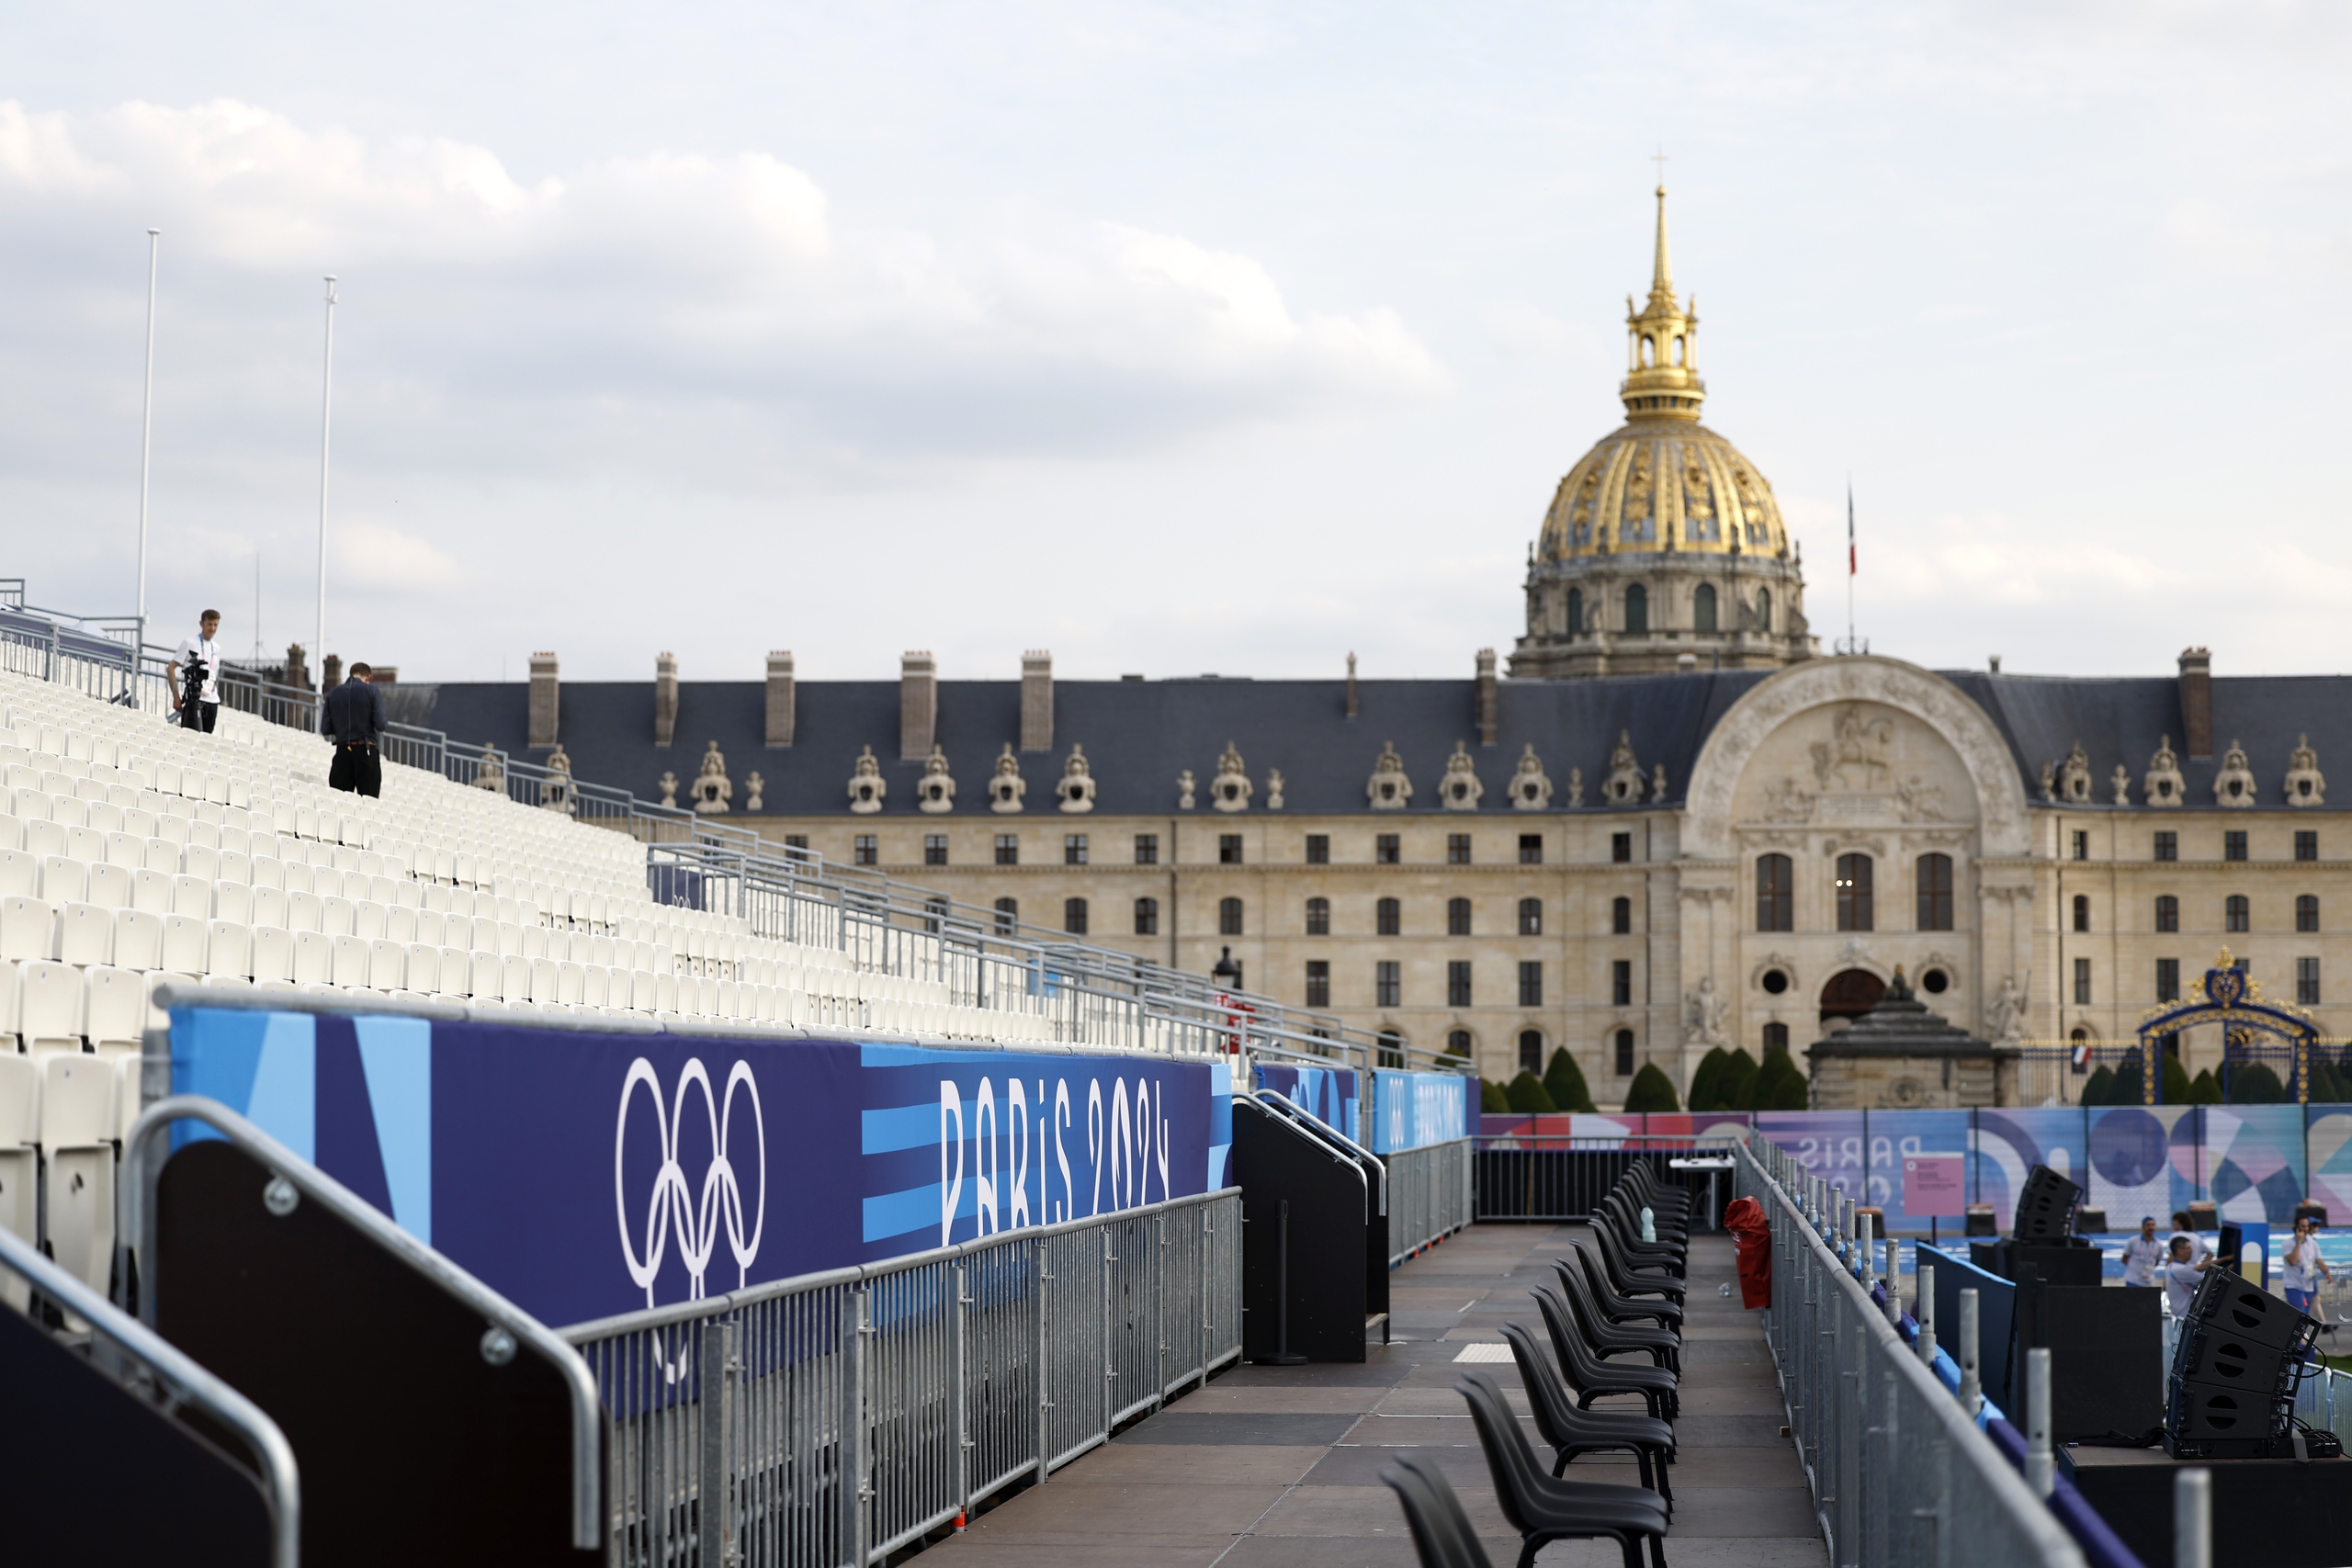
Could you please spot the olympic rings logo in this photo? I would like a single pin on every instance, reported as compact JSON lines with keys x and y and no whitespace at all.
{"x":699,"y":1218}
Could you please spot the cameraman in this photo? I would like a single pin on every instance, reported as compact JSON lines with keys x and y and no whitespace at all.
{"x":199,"y":656}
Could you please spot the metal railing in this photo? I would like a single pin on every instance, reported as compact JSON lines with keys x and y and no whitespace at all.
{"x":1547,"y":1177}
{"x":1899,"y":1472}
{"x":828,"y":1421}
{"x":1429,"y":1196}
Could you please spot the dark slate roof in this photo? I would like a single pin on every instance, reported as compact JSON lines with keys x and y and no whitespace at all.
{"x":1139,"y":735}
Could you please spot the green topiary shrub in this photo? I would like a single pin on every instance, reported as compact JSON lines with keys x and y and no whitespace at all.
{"x":2254,"y":1084}
{"x":2127,"y":1085}
{"x":2100,"y":1089}
{"x":2327,"y":1086}
{"x":2176,"y":1081}
{"x":1564,"y":1082}
{"x":1777,"y":1086}
{"x":1731,"y":1083}
{"x":2203,"y":1090}
{"x":1703,"y":1079}
{"x":1526,"y":1095}
{"x":1651,"y":1091}
{"x":1491,"y":1097}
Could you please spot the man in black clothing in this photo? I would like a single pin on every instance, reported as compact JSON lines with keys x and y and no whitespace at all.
{"x":353,"y":718}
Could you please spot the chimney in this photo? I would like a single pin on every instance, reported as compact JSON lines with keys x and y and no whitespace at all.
{"x":543,"y":699}
{"x":334,"y":671}
{"x":1037,"y":701}
{"x":1351,"y":685}
{"x":918,"y":706}
{"x":1485,"y":696}
{"x":2196,"y":702}
{"x":780,"y":698}
{"x":665,"y":698}
{"x":298,"y":672}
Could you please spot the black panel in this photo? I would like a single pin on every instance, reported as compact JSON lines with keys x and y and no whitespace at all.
{"x":2267,"y":1513}
{"x":74,"y":1448}
{"x":413,"y":1447}
{"x":2103,"y":1345}
{"x":1276,"y":1161}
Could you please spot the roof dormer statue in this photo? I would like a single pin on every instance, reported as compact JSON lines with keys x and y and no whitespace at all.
{"x":1530,"y":790}
{"x":1460,"y":789}
{"x":491,"y":773}
{"x":667,"y":782}
{"x":937,"y":791}
{"x":1576,"y":789}
{"x":866,"y":786}
{"x":1623,"y":785}
{"x":1232,"y":789}
{"x":1389,"y":789}
{"x":2163,"y":784}
{"x":1658,"y":783}
{"x":1184,"y":790}
{"x":556,"y":791}
{"x":752,"y":786}
{"x":2121,"y":783}
{"x":1077,"y":789}
{"x":2074,"y":777}
{"x":2233,"y":786}
{"x":1274,"y":789}
{"x":712,"y":791}
{"x":1007,"y":787}
{"x":2305,"y":784}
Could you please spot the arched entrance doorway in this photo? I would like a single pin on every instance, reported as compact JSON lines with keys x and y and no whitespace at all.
{"x":1849,"y":994}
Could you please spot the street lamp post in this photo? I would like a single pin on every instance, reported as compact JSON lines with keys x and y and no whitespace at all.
{"x":147,"y":431}
{"x":326,"y":422}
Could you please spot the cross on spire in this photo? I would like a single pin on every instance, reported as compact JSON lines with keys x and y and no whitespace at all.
{"x":1658,"y":158}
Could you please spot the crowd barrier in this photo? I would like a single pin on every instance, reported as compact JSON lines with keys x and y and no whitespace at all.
{"x":2255,"y":1163}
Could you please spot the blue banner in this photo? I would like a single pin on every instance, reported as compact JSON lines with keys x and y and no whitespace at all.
{"x":1327,"y":1094}
{"x":585,"y":1174}
{"x":1412,"y":1110}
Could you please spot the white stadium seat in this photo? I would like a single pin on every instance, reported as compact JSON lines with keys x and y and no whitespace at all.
{"x":114,"y":1005}
{"x":313,"y":958}
{"x":273,"y":954}
{"x":48,"y":1005}
{"x":228,"y":950}
{"x":181,"y":949}
{"x":28,"y":928}
{"x":85,"y":934}
{"x":138,"y":940}
{"x":350,"y":972}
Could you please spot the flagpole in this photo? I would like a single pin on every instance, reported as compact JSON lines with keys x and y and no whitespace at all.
{"x":1852,"y":563}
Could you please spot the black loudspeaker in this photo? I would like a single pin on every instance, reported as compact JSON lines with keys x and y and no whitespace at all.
{"x":2090,"y":1222}
{"x":2018,"y":1262}
{"x":2101,"y":1344}
{"x":2046,"y":1207}
{"x":2230,"y":1394}
{"x":2248,"y":1311}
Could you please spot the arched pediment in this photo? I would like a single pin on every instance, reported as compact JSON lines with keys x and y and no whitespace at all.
{"x":1827,"y":682}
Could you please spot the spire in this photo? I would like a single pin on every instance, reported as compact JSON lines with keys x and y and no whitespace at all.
{"x":1662,"y":268}
{"x":1662,"y":345}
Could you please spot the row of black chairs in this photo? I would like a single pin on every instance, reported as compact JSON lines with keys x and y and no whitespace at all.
{"x":1615,"y":1323}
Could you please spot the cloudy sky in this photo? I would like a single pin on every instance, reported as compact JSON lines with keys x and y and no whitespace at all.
{"x":1172,"y":338}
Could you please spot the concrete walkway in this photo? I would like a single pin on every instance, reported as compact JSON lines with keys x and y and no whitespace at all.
{"x":1281,"y":1464}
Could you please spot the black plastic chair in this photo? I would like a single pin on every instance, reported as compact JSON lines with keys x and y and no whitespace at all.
{"x":1666,"y":1252}
{"x":1441,"y":1532}
{"x":1615,"y":1304}
{"x":1570,"y":1431}
{"x":1597,"y":1379}
{"x":1654,"y":1189}
{"x":1630,"y":1279}
{"x":1544,"y":1510}
{"x":1662,"y":1345}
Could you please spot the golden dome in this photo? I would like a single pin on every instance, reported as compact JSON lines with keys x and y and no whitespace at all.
{"x":1663,"y":481}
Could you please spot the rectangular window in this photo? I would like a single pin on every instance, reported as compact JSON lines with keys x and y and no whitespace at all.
{"x":1457,"y":982}
{"x":1147,"y":849}
{"x":2082,"y":843}
{"x":2233,"y":844}
{"x":1457,"y":849}
{"x":2307,"y":982}
{"x":1621,"y":982}
{"x":1855,"y":876}
{"x":1385,"y":849}
{"x":1318,"y":849}
{"x":1319,"y":983}
{"x":1934,"y":876}
{"x":1624,"y":1052}
{"x":2307,"y":911}
{"x":2306,"y":843}
{"x":2167,"y":979}
{"x":1008,"y":849}
{"x":1530,"y":917}
{"x":2082,"y":982}
{"x":1228,"y":849}
{"x":1531,"y":983}
{"x":1073,"y":848}
{"x":934,"y":848}
{"x":1386,"y":985}
{"x":1530,"y":849}
{"x":2167,"y":846}
{"x":867,"y":851}
{"x":795,"y":841}
{"x":1621,"y":848}
{"x":1775,"y":893}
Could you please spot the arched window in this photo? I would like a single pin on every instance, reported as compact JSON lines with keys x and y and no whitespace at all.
{"x":2082,"y":912}
{"x":1624,"y":1052}
{"x":1457,"y":1044}
{"x":1934,"y":892}
{"x":1530,"y":917}
{"x":1776,"y":887}
{"x":1531,"y":1051}
{"x":1763,"y":609}
{"x":1392,"y":1048}
{"x":936,"y":909}
{"x":1318,"y":916}
{"x":1637,"y":608}
{"x":1677,"y":348}
{"x":1388,"y":917}
{"x":1649,"y":351}
{"x":1228,"y":917}
{"x":1008,"y":915}
{"x":2167,"y":912}
{"x":1621,"y":917}
{"x":1703,"y":608}
{"x":1457,"y":917}
{"x":1854,"y":893}
{"x":1147,"y":917}
{"x":2306,"y":912}
{"x":2237,"y":915}
{"x":1575,"y":611}
{"x":1776,"y":1037}
{"x":1074,"y":916}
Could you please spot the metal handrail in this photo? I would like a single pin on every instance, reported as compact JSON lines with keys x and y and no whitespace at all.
{"x":185,"y":1384}
{"x":141,"y":1172}
{"x":1324,"y":1128}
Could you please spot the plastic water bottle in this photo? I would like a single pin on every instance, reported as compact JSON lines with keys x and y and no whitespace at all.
{"x":1649,"y":1224}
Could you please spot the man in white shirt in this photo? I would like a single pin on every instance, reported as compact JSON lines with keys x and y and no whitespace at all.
{"x":199,"y":658}
{"x":2142,"y":1254}
{"x":2180,"y":1276}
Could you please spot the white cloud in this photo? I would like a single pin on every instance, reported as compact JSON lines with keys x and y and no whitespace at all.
{"x":373,"y":558}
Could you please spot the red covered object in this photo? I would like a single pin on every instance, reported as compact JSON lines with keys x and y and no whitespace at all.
{"x":1752,"y":1239}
